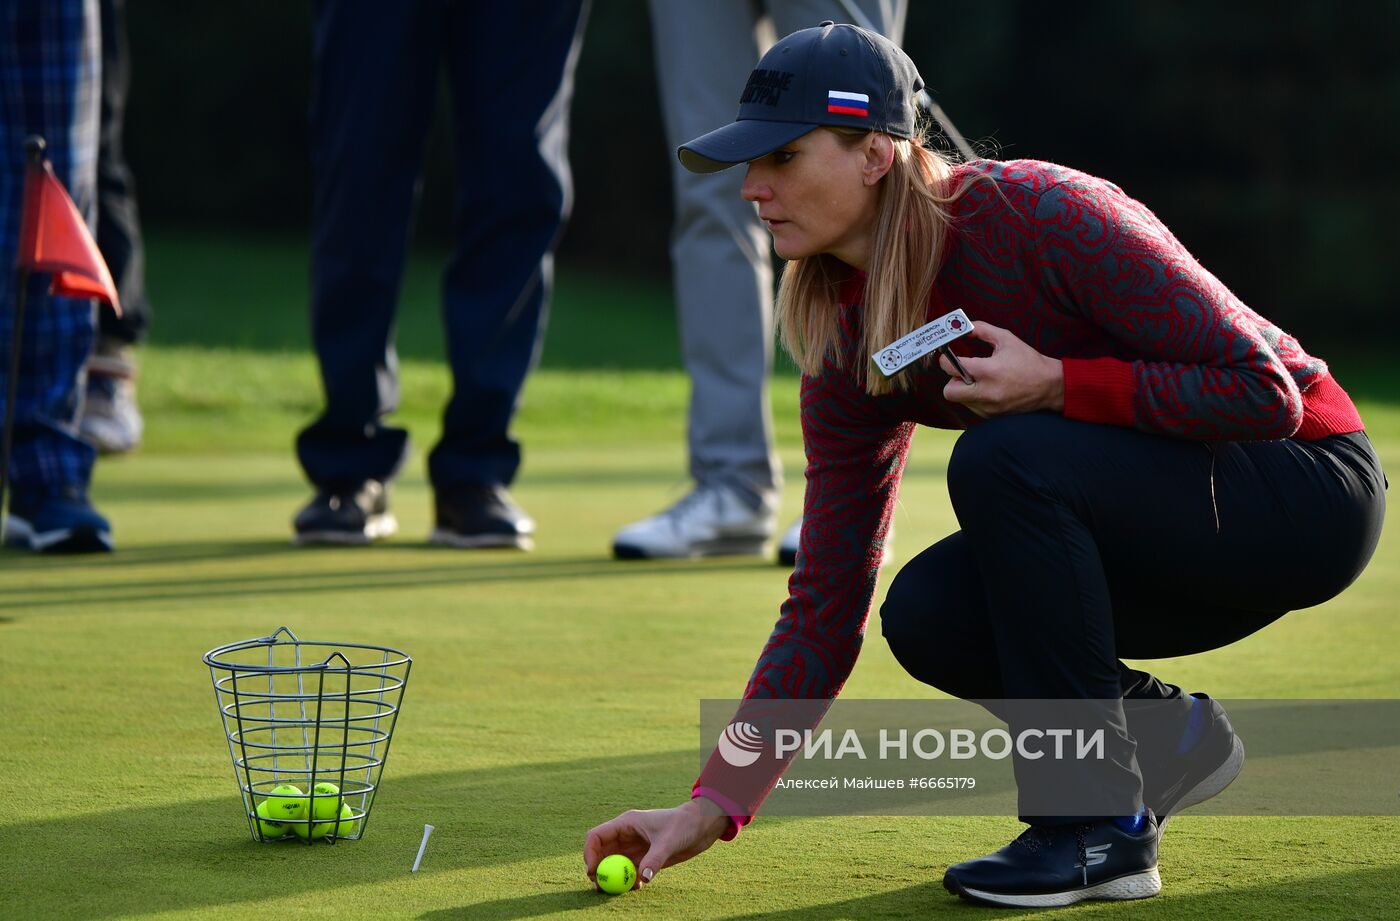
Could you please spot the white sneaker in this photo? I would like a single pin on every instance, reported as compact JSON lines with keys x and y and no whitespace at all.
{"x":710,"y":521}
{"x":787,"y":547}
{"x":111,"y":420}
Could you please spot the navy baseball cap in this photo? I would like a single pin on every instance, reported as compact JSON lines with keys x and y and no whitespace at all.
{"x":834,"y":74}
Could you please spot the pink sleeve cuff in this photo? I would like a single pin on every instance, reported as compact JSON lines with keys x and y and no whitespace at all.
{"x":737,"y":817}
{"x":1100,"y":390}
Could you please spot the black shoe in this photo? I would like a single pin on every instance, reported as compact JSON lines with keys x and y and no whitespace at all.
{"x":1199,"y":773}
{"x":1051,"y":865}
{"x":357,"y":517}
{"x":481,"y":516}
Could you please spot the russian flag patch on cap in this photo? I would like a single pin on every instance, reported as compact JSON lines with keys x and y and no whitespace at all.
{"x":840,"y":103}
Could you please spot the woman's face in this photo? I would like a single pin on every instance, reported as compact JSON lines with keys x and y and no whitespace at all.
{"x":820,"y":195}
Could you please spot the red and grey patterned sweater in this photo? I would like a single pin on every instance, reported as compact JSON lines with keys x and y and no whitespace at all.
{"x":1083,"y":273}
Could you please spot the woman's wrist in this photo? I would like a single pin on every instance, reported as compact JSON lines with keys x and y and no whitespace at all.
{"x":714,"y":820}
{"x":1055,"y":385}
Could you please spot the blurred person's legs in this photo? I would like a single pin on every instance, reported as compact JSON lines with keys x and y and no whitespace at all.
{"x":723,"y":277}
{"x":111,"y":419}
{"x":376,"y":68}
{"x":49,"y":84}
{"x":513,"y":194}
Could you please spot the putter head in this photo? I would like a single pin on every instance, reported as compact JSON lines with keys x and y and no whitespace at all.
{"x":934,"y":336}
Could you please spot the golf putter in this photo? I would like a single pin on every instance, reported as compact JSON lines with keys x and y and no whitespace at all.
{"x":934,"y":336}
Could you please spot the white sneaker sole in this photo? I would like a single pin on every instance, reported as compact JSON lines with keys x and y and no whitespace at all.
{"x":1213,"y":785}
{"x":444,"y":538}
{"x":377,"y":527}
{"x":730,"y":545}
{"x":1142,"y":885}
{"x":20,"y":533}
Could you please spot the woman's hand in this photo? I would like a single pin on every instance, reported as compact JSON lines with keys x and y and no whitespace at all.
{"x":655,"y":838}
{"x":1015,"y":378}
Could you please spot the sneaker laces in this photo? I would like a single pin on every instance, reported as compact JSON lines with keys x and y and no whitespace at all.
{"x":1037,"y":836}
{"x":1033,"y":837}
{"x":691,"y":500}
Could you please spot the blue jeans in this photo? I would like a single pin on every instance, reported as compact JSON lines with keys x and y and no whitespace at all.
{"x":49,"y":73}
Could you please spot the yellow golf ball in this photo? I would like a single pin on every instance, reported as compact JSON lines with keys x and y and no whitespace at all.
{"x":327,"y":804}
{"x":285,"y":803}
{"x":267,"y":826}
{"x":616,"y":874}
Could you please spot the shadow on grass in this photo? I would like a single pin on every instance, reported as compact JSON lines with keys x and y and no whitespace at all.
{"x":205,"y":490}
{"x":296,"y":491}
{"x":1354,"y":894}
{"x":197,"y":854}
{"x":154,"y":554}
{"x":912,"y":902}
{"x":180,"y":553}
{"x":525,"y":906}
{"x":481,"y":567}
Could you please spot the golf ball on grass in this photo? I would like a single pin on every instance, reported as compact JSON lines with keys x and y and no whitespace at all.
{"x":616,"y":874}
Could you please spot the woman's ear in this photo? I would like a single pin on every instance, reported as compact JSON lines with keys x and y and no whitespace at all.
{"x":879,"y":157}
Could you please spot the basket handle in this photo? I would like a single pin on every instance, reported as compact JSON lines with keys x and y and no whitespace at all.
{"x":278,"y":632}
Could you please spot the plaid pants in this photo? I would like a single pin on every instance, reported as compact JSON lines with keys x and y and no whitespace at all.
{"x":50,"y":71}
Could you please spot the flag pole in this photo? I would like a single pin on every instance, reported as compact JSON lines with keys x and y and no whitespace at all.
{"x":34,"y":149}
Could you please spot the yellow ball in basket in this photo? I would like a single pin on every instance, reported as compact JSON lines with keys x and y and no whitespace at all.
{"x":343,"y":829}
{"x":327,"y":804}
{"x":616,"y":874}
{"x":285,"y":803}
{"x":266,"y":827}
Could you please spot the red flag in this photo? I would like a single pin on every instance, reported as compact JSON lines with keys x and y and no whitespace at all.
{"x":54,"y":238}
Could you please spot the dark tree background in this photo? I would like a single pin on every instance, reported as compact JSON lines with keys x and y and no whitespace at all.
{"x":1265,"y":134}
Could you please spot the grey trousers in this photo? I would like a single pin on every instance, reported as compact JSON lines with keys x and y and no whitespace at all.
{"x":720,"y":253}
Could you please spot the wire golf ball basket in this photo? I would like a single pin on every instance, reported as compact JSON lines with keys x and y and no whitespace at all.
{"x":308,"y":726}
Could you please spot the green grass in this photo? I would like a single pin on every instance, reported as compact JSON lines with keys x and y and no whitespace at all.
{"x":549,"y":690}
{"x":252,"y":293}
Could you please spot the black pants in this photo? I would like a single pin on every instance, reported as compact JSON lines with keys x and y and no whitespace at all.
{"x":377,"y":68}
{"x":1083,"y":543}
{"x":118,"y":222}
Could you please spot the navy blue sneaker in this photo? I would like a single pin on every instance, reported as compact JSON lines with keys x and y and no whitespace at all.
{"x":62,"y":523}
{"x":1053,"y":865}
{"x":354,"y":517}
{"x":477,"y":516}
